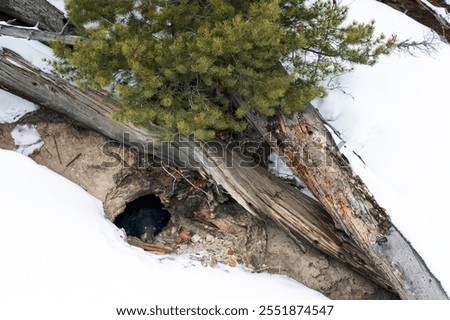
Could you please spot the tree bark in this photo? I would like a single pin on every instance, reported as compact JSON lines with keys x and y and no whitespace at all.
{"x":32,"y":12}
{"x":35,"y":34}
{"x":251,"y":186}
{"x":304,"y":141}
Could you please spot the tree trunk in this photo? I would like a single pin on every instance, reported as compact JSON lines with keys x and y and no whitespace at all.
{"x":32,"y":12}
{"x":304,"y":141}
{"x":251,"y":186}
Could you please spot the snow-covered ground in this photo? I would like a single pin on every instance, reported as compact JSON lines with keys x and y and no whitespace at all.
{"x":397,"y":118}
{"x":57,"y":250}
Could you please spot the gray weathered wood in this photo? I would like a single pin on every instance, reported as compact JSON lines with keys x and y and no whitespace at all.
{"x":33,"y":12}
{"x":35,"y":34}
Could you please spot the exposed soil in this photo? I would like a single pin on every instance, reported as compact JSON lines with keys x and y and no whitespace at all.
{"x":225,"y":233}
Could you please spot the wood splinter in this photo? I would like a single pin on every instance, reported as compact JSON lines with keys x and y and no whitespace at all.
{"x":147,"y":246}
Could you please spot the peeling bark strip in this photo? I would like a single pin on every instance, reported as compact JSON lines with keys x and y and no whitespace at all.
{"x":304,"y":141}
{"x":35,"y":34}
{"x":35,"y":11}
{"x":252,"y":187}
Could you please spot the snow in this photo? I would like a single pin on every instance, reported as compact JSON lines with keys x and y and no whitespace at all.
{"x":397,"y":119}
{"x":31,"y":50}
{"x":278,"y":167}
{"x":58,"y":4}
{"x":12,"y":107}
{"x":27,"y":139}
{"x":59,"y":253}
{"x":3,"y":23}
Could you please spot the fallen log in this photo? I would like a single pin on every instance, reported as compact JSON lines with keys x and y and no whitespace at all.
{"x":303,"y":140}
{"x":253,"y":187}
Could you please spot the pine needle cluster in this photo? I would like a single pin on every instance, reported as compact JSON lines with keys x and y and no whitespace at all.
{"x":178,"y":66}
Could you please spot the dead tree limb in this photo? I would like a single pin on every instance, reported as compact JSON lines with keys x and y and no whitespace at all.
{"x":35,"y":34}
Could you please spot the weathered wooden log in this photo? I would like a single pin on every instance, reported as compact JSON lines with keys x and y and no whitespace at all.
{"x":33,"y":12}
{"x":251,"y":186}
{"x":35,"y":34}
{"x":307,"y":145}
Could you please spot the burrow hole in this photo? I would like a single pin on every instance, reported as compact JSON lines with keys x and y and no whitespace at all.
{"x":143,"y":218}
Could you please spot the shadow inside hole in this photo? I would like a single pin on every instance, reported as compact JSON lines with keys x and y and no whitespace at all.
{"x":143,"y":218}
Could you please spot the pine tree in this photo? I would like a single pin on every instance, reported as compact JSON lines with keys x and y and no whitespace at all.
{"x":178,"y":65}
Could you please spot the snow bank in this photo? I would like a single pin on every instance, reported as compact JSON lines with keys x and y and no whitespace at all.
{"x":61,"y":257}
{"x":398,"y":120}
